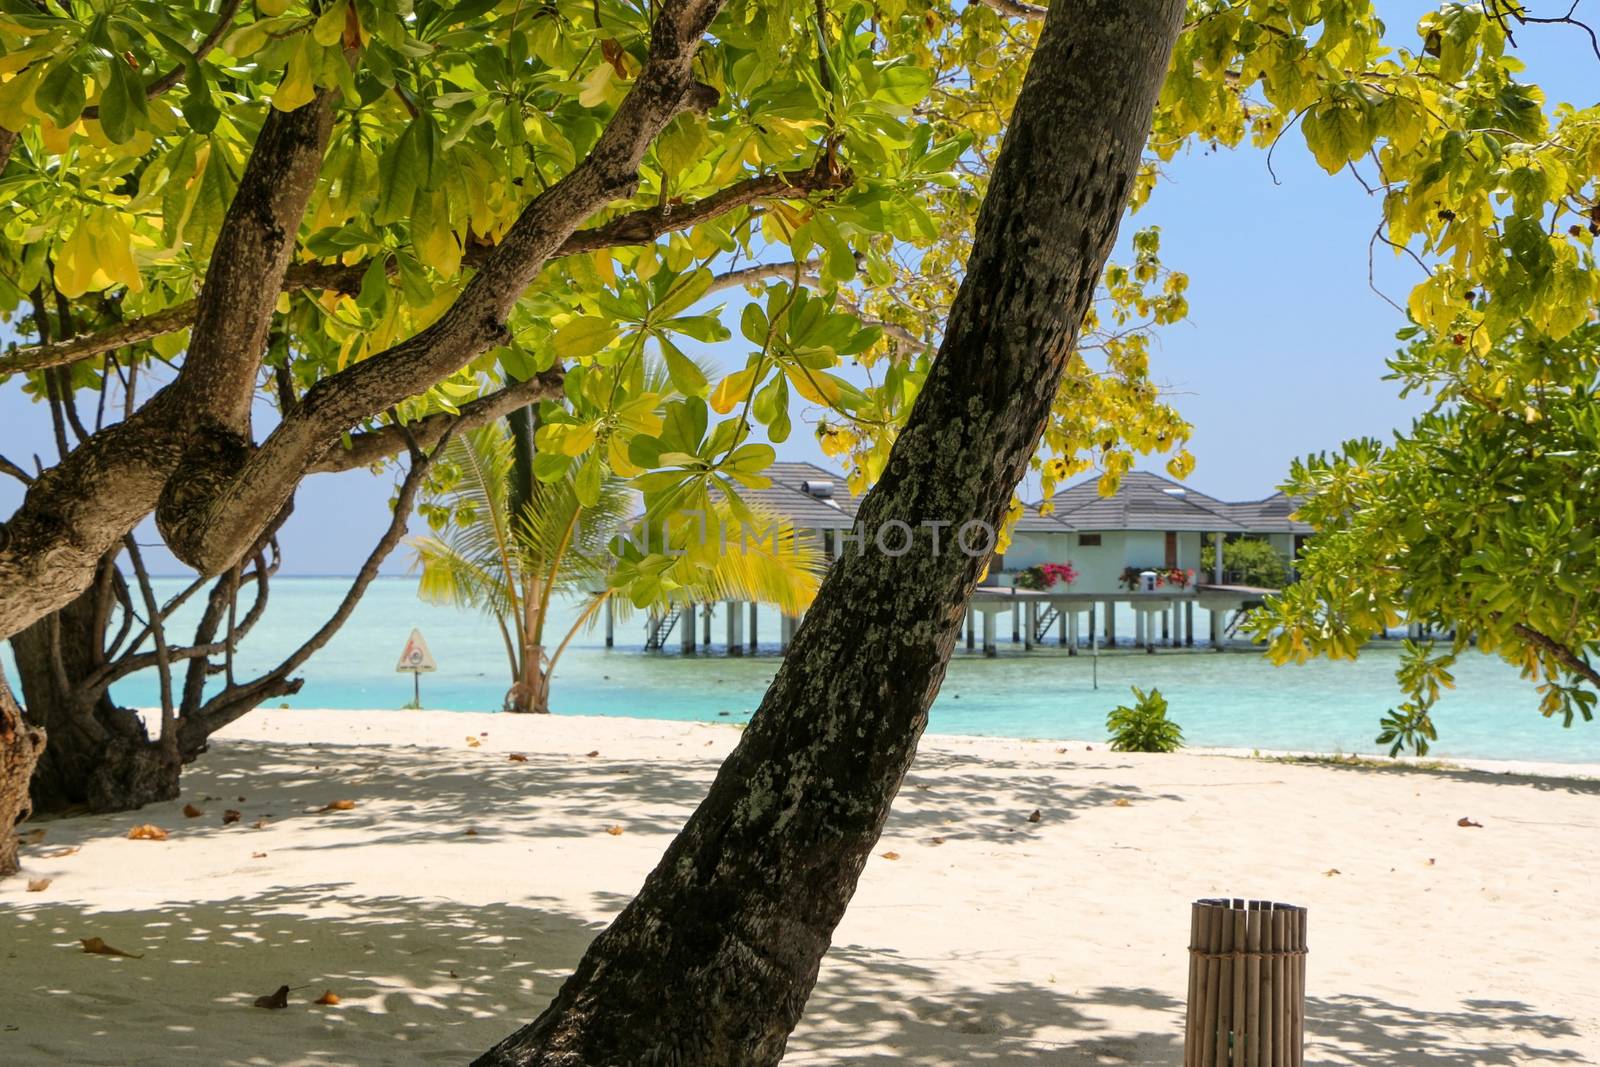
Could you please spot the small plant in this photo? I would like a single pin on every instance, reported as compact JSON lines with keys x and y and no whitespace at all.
{"x":1176,"y":577}
{"x":1045,"y":576}
{"x":1145,"y":726}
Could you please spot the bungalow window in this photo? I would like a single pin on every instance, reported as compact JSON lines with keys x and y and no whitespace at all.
{"x":1088,"y":540}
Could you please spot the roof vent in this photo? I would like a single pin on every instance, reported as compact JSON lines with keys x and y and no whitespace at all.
{"x":1177,"y":491}
{"x":822,"y":490}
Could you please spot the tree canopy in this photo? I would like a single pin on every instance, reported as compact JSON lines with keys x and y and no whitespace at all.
{"x":377,"y":214}
{"x":830,"y":158}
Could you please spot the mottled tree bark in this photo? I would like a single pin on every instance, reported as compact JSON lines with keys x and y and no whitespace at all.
{"x":100,"y":755}
{"x":20,"y":745}
{"x":713,"y":961}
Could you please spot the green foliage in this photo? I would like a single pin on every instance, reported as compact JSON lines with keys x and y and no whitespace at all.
{"x":1246,"y":561}
{"x":450,"y":117}
{"x":870,"y":132}
{"x":1481,"y":521}
{"x":1144,"y":727}
{"x":574,"y":540}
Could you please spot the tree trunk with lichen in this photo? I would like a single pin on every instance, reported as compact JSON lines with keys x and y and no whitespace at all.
{"x":712,"y":963}
{"x":20,"y":745}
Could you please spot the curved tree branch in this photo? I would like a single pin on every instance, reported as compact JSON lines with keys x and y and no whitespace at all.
{"x":1017,"y":9}
{"x":634,"y":228}
{"x":77,"y":510}
{"x":212,"y":533}
{"x":365,"y":449}
{"x":237,"y":700}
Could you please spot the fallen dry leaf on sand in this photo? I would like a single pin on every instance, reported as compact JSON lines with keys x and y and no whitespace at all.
{"x":614,"y":830}
{"x":473,"y":742}
{"x":147,"y":832}
{"x":936,"y":841}
{"x":1464,"y":821}
{"x":1330,"y":872}
{"x":192,"y":812}
{"x":60,"y":852}
{"x":260,"y":824}
{"x":232,"y":815}
{"x":890,"y":855}
{"x":471,"y":831}
{"x":338,"y":805}
{"x":517,"y":757}
{"x":1036,"y":816}
{"x":96,"y":947}
{"x":258,"y":855}
{"x":1122,"y":802}
{"x":275,"y":1001}
{"x":329,"y":997}
{"x":596,"y":752}
{"x":38,"y":885}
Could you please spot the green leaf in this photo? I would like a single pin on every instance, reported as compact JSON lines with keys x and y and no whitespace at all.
{"x":397,"y":179}
{"x":686,"y":377}
{"x":199,"y":110}
{"x":430,"y":156}
{"x":586,"y":484}
{"x":584,"y":336}
{"x":60,"y":94}
{"x":122,"y":103}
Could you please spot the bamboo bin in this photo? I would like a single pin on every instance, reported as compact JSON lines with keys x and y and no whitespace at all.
{"x":1247,"y":985}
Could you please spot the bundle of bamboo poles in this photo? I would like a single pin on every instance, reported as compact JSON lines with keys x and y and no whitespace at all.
{"x":1247,"y":984}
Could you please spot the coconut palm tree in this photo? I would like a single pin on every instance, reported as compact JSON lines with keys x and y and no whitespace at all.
{"x":488,"y":553}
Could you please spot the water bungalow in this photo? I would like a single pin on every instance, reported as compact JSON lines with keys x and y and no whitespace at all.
{"x":1136,"y":553}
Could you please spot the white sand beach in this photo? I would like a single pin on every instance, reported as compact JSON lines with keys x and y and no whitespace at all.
{"x":447,"y":905}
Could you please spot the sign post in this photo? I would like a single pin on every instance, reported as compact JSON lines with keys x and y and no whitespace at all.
{"x":417,"y":659}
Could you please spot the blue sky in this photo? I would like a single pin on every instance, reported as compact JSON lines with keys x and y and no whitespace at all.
{"x":1283,"y":353}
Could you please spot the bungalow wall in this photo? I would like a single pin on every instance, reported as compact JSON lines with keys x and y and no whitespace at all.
{"x":1100,"y":566}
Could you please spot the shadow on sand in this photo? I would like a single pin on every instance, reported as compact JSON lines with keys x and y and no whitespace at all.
{"x":426,"y":981}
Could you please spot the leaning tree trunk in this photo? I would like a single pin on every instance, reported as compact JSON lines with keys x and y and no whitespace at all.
{"x":712,"y":962}
{"x":100,"y":755}
{"x":20,"y":745}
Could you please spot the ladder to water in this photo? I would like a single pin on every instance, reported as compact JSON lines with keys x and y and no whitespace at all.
{"x":658,"y":628}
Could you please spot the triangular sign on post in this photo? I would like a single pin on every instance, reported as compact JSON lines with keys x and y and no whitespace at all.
{"x":416,"y":658}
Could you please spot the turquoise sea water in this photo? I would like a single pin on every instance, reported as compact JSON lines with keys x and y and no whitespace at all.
{"x":1235,"y":699}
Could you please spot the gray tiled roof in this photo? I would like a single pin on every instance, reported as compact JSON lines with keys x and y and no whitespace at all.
{"x":787,"y":497}
{"x":1144,"y":501}
{"x":1269,"y":516}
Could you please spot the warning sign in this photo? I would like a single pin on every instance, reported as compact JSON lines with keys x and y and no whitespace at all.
{"x":416,"y":658}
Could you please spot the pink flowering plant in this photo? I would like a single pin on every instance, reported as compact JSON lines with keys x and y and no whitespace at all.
{"x":1046,"y":576}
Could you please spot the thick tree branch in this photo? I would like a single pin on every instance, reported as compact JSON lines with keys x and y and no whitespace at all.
{"x":211,"y":535}
{"x":634,"y":228}
{"x":365,"y":449}
{"x":171,"y":453}
{"x":71,"y":350}
{"x":1017,"y":9}
{"x":237,"y":700}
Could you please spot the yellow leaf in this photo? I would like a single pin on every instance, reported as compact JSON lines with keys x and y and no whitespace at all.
{"x":330,"y":25}
{"x":617,"y":457}
{"x":732,"y":390}
{"x":818,"y":387}
{"x":596,"y":87}
{"x":583,"y":336}
{"x":297,"y":88}
{"x":436,"y":244}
